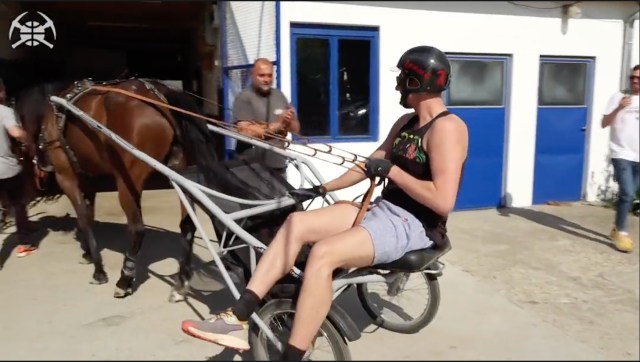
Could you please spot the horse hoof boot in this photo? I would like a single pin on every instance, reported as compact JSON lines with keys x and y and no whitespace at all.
{"x":121,"y":293}
{"x":99,"y":278}
{"x":175,"y":296}
{"x":85,"y":259}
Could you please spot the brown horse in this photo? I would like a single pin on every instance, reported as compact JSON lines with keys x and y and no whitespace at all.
{"x":77,"y":155}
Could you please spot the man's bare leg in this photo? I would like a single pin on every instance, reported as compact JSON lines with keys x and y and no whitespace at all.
{"x":300,"y":228}
{"x":229,"y":328}
{"x":349,"y":249}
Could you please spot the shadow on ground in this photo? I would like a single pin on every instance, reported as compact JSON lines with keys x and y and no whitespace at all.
{"x":159,"y":244}
{"x":557,"y":223}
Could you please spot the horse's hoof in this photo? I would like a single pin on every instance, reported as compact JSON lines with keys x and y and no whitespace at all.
{"x":85,"y":259}
{"x":121,"y":293}
{"x":175,"y":297}
{"x":99,"y":279}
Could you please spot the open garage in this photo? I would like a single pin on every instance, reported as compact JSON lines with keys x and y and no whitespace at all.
{"x":167,"y":40}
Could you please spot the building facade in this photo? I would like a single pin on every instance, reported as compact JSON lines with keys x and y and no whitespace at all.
{"x":530,"y":79}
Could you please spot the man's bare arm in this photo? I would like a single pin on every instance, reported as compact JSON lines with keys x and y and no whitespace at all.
{"x":355,"y":174}
{"x":609,"y":118}
{"x":18,"y":133}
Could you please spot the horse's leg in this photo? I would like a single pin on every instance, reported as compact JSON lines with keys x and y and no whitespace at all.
{"x":129,"y":194}
{"x":90,"y":204}
{"x":70,"y":186}
{"x":187,"y":233}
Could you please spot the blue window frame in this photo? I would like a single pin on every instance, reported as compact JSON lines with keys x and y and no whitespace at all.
{"x":334,"y":82}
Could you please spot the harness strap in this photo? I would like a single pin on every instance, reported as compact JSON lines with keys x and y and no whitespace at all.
{"x":76,"y":92}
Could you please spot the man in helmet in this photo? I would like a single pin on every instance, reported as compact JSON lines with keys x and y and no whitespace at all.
{"x":422,"y":157}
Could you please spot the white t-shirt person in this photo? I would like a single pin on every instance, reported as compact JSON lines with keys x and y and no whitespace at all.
{"x":9,"y":165}
{"x":625,"y":129}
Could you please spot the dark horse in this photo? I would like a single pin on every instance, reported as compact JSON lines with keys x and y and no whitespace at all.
{"x":77,"y":154}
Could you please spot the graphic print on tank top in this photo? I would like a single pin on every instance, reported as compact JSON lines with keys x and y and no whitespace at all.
{"x":409,"y":145}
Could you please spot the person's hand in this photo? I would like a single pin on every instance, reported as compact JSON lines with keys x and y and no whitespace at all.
{"x":301,"y":195}
{"x":251,"y":129}
{"x":377,"y":167}
{"x":287,"y":116}
{"x":277,"y":128}
{"x":624,"y":102}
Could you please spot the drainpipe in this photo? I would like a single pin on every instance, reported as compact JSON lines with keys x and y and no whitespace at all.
{"x":627,"y":49}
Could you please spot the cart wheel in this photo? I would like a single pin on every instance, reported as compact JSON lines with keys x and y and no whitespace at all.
{"x":384,"y":308}
{"x":278,"y":314}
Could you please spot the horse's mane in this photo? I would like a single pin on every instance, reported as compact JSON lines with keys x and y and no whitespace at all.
{"x":198,"y":141}
{"x":32,"y":103}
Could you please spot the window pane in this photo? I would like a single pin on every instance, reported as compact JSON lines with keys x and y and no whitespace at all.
{"x":562,"y":84}
{"x":353,"y":87}
{"x":312,"y":76}
{"x":476,"y":83}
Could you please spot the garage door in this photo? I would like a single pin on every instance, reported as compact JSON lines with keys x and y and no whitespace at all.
{"x":249,"y":30}
{"x":478,"y":94}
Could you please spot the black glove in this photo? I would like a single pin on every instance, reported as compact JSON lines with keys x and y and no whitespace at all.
{"x":301,"y":195}
{"x":377,"y":167}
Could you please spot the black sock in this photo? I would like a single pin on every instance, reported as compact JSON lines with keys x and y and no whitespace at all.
{"x":292,"y":353}
{"x":246,"y":305}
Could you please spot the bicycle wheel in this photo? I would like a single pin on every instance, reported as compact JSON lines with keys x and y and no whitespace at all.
{"x":381,"y":310}
{"x":277,"y":314}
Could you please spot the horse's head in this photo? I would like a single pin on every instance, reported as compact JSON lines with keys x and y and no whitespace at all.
{"x":31,"y":107}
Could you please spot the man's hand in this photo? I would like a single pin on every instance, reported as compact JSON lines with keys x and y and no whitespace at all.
{"x":287,"y":120}
{"x":624,"y":102}
{"x":287,"y":116}
{"x":277,"y":127}
{"x":251,"y":129}
{"x":301,"y":195}
{"x":377,"y":167}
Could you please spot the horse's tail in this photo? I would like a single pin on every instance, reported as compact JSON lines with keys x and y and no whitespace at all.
{"x":195,"y":138}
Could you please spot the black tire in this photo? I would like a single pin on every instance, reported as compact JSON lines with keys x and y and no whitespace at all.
{"x":258,"y":340}
{"x":407,"y":327}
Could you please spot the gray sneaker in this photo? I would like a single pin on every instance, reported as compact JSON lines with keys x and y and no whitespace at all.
{"x":222,"y":328}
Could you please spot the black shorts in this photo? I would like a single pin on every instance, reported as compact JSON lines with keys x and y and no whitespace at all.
{"x":12,"y":189}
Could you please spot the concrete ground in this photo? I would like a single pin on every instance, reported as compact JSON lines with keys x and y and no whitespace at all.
{"x":540,"y":283}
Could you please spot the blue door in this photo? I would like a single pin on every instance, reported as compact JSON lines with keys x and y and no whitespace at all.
{"x":563,"y":109}
{"x":477,"y":94}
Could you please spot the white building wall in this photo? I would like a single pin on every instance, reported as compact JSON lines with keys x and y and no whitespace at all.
{"x":635,"y":53}
{"x":525,"y":38}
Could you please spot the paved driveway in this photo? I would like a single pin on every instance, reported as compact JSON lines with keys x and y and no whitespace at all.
{"x":539,"y":283}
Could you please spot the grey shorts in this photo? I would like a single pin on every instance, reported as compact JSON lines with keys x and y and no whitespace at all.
{"x":394,"y":231}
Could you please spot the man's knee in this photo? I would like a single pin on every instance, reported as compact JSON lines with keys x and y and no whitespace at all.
{"x":295,"y":223}
{"x":320,"y":260}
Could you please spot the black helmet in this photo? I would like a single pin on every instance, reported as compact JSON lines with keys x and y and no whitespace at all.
{"x":422,"y":69}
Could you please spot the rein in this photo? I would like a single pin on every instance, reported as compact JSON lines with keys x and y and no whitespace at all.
{"x":353,"y":159}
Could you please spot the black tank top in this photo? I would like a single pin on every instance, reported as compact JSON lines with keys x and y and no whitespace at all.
{"x":408,"y":154}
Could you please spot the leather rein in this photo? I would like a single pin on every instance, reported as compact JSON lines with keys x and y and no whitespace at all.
{"x":367,"y":196}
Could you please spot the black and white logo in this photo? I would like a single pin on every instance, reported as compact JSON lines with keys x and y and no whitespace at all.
{"x":32,"y":32}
